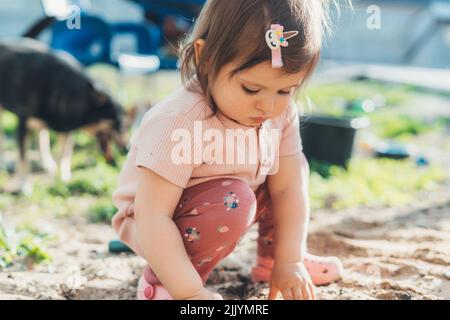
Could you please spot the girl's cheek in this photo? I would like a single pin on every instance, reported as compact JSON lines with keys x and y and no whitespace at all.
{"x":282,"y":105}
{"x":246,"y":102}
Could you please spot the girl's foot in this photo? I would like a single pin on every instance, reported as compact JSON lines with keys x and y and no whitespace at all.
{"x":323,"y":270}
{"x":147,"y":291}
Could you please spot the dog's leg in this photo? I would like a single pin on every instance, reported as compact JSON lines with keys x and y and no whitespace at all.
{"x":46,"y":155}
{"x":66,"y":142}
{"x":22,"y":133}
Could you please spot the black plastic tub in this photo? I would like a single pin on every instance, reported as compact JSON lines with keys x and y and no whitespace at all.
{"x":330,"y":139}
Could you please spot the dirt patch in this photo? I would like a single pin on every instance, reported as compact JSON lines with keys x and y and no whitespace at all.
{"x":388,"y":253}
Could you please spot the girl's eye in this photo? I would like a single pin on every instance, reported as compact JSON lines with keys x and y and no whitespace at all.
{"x":248,"y":91}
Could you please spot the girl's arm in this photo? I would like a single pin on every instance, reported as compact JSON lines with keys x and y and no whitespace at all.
{"x":288,"y":190}
{"x":159,"y":237}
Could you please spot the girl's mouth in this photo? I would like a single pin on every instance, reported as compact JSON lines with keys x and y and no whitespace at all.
{"x":259,"y":119}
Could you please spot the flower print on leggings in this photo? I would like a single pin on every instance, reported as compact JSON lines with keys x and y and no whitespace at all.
{"x":223,"y":229}
{"x":231,"y":201}
{"x":203,"y":261}
{"x":192,"y":234}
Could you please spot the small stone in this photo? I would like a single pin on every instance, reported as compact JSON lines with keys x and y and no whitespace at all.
{"x":404,"y":296}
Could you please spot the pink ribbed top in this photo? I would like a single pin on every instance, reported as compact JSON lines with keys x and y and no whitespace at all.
{"x":184,"y":117}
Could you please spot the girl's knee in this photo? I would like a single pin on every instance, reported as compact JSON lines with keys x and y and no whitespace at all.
{"x":239,"y":201}
{"x":227,"y":194}
{"x":220,"y":215}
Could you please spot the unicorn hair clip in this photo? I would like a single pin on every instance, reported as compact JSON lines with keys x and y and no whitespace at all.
{"x":276,"y":38}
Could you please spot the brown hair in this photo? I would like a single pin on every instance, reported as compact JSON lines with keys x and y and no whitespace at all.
{"x":234,"y":30}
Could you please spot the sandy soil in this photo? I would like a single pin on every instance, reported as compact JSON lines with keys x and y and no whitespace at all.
{"x":388,"y":253}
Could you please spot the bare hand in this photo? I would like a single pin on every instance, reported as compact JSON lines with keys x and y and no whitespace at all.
{"x":292,"y":280}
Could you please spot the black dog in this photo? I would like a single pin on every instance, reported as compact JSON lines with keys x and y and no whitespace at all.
{"x":53,"y":91}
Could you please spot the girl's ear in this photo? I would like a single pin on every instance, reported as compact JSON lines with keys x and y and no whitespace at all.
{"x":198,"y":47}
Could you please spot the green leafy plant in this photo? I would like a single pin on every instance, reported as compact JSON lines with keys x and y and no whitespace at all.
{"x":102,"y":211}
{"x":332,"y":98}
{"x":397,"y":126}
{"x":97,"y":181}
{"x":371,"y":182}
{"x":24,"y":244}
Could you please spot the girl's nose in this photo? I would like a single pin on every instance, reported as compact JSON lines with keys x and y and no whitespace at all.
{"x":267,"y":106}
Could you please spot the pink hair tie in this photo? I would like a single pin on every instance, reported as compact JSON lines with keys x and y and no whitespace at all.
{"x":276,"y":38}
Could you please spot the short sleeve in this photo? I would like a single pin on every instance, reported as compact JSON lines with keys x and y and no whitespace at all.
{"x":291,"y":142}
{"x":164,"y":145}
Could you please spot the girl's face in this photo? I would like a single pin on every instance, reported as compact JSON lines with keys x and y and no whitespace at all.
{"x":256,"y":94}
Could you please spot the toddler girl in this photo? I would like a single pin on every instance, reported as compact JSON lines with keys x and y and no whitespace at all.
{"x":223,"y":152}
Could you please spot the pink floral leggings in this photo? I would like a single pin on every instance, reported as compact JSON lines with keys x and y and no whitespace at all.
{"x":212,"y":218}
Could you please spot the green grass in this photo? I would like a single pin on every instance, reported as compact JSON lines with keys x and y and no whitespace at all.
{"x":103,"y":211}
{"x":9,"y":122}
{"x":371,"y":182}
{"x":25,"y":244}
{"x":390,"y":121}
{"x":401,"y":127}
{"x":97,"y":181}
{"x":331,"y":98}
